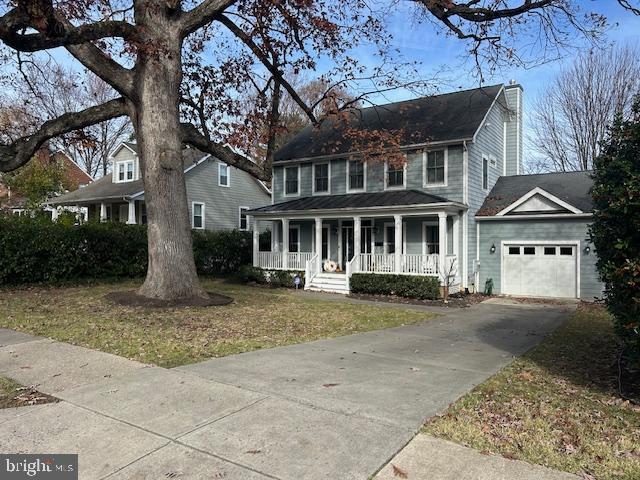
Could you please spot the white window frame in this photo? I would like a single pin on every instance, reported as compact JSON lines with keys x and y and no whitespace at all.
{"x":445,"y":183}
{"x":123,"y":165}
{"x":385,"y":241}
{"x":404,"y":177}
{"x":364,"y":174}
{"x":425,"y":224}
{"x":313,"y":178}
{"x":284,"y":181}
{"x":193,"y":216}
{"x":220,"y":166}
{"x":298,"y":243}
{"x":240,"y":209}
{"x":484,"y":158}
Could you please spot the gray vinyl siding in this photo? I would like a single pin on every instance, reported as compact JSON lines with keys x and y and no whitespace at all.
{"x":514,"y":132}
{"x":494,"y":232}
{"x":222,"y":204}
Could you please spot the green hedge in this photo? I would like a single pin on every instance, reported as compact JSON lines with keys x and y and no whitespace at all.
{"x":410,"y":286}
{"x":273,"y":278}
{"x":38,"y":250}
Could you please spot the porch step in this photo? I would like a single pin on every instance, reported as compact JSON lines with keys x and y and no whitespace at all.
{"x":329,"y":282}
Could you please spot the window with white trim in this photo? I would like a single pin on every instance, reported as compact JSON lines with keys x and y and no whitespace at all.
{"x":394,"y":175}
{"x":291,"y":180}
{"x":125,"y":171}
{"x":197,"y":215}
{"x":223,"y":175}
{"x":294,"y":238}
{"x":485,"y":173}
{"x":243,"y":223}
{"x":355,"y":175}
{"x":321,"y":178}
{"x":435,"y":168}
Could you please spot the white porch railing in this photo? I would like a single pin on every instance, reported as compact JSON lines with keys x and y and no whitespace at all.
{"x":310,"y":271}
{"x":353,"y":266}
{"x":377,"y":263}
{"x":270,"y":260}
{"x":298,"y":260}
{"x":417,"y":264}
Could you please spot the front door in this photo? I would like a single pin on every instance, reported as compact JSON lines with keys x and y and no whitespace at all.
{"x":347,"y":245}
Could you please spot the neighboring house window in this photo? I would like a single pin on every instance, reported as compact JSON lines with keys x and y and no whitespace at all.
{"x":395,"y":175}
{"x":197,"y":220}
{"x":291,"y":180}
{"x":223,"y":175}
{"x":485,"y":173}
{"x":294,"y":239}
{"x":356,"y":171}
{"x":125,"y":171}
{"x":321,"y":178}
{"x":244,"y":224}
{"x":435,"y":168}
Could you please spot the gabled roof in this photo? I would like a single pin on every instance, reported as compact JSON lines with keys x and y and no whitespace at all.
{"x":570,"y":190}
{"x":438,"y":118}
{"x":353,"y":201}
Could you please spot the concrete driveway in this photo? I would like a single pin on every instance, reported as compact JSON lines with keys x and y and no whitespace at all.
{"x":334,"y":409}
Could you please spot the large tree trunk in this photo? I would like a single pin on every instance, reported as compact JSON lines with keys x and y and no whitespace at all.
{"x":172,"y":272}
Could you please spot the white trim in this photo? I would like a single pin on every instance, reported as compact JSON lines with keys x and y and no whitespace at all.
{"x":486,"y":115}
{"x":425,"y":224}
{"x":240,"y":208}
{"x":193,"y":215}
{"x":284,"y":182}
{"x":313,"y":178}
{"x":576,"y":243}
{"x":404,"y":176}
{"x":425,"y":153}
{"x":538,"y":216}
{"x":504,"y":148}
{"x":124,"y":163}
{"x":194,"y":165}
{"x":364,"y":174}
{"x":220,"y":166}
{"x":119,"y":147}
{"x":544,"y":193}
{"x":476,"y":276}
{"x":518,"y":128}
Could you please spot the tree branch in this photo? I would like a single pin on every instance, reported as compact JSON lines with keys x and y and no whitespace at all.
{"x":202,"y":15}
{"x":191,"y":136}
{"x":18,"y":153}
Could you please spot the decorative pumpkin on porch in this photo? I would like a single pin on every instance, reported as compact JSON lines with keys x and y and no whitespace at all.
{"x":329,"y":266}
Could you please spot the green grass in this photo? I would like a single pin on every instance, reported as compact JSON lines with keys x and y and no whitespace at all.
{"x":12,"y":394}
{"x":556,"y":406}
{"x":259,"y":318}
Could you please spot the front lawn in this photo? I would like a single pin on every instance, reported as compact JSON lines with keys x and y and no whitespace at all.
{"x":12,"y":394}
{"x":259,"y":318}
{"x":556,"y":406}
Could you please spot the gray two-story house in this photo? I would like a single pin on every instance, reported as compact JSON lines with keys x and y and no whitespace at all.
{"x":334,"y":214}
{"x":218,"y":195}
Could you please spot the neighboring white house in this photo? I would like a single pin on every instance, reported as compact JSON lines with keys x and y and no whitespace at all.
{"x":218,"y":195}
{"x":332,"y":210}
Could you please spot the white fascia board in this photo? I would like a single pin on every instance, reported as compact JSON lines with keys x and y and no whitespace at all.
{"x":544,"y":193}
{"x":543,"y":216}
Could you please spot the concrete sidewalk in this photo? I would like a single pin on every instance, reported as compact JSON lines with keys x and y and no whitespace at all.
{"x":334,"y":409}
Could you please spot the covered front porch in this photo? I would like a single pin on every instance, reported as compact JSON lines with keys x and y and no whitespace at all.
{"x":420,"y":242}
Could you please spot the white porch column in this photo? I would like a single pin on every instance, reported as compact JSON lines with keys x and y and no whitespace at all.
{"x":456,"y":242}
{"x":357,"y":231}
{"x":103,"y":212}
{"x":54,"y":214}
{"x":319,"y":244}
{"x":274,"y":236}
{"x":132,"y":213}
{"x":256,"y":240}
{"x":285,"y":243}
{"x":398,"y":243}
{"x":442,"y":242}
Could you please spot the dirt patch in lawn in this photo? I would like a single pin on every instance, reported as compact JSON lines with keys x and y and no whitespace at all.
{"x":456,"y":300}
{"x":559,"y":405}
{"x":12,"y":394}
{"x":129,"y":298}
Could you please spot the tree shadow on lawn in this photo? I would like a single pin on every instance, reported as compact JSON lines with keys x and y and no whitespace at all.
{"x":129,"y":298}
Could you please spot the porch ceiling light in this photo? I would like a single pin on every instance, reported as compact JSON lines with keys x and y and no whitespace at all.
{"x":493,"y":248}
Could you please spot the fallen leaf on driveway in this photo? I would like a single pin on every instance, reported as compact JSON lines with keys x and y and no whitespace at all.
{"x":328,"y":385}
{"x":398,"y":472}
{"x":414,"y":369}
{"x":257,"y":450}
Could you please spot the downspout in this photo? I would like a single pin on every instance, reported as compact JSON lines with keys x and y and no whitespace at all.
{"x":465,"y":216}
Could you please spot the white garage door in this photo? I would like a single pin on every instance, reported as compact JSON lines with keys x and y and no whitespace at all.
{"x":544,"y":270}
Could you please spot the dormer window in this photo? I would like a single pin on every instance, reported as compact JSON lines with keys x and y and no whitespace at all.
{"x":125,"y":171}
{"x":435,"y":168}
{"x":356,"y":175}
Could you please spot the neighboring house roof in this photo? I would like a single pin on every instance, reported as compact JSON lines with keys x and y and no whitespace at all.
{"x":75,"y":175}
{"x":572,"y":188}
{"x":354,"y":200}
{"x":439,"y":118}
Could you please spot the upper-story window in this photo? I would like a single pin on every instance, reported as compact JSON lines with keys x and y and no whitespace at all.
{"x":394,"y":175}
{"x":125,"y":171}
{"x":485,"y":173}
{"x":291,"y":180}
{"x":321,"y":178}
{"x":223,"y":175}
{"x":356,"y":171}
{"x":435,"y":168}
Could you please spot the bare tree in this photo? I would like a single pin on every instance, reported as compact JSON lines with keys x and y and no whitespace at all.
{"x":160,"y":55}
{"x":573,"y":113}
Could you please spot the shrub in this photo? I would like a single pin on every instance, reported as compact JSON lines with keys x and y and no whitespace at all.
{"x":273,"y":278}
{"x":249,"y":273}
{"x":410,"y":286}
{"x":615,"y":231}
{"x":38,"y":250}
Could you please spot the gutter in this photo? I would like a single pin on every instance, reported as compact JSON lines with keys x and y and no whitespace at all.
{"x":534,"y":217}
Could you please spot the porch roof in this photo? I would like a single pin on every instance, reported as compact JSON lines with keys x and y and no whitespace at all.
{"x":102,"y":189}
{"x":396,"y":198}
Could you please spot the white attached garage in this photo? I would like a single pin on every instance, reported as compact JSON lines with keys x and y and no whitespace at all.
{"x":541,"y":268}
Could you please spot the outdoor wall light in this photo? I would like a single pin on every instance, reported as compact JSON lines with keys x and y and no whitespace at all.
{"x":587,"y":249}
{"x":493,"y":248}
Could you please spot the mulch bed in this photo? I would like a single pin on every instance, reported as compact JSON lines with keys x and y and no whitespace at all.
{"x":457,"y":300}
{"x":130,"y":298}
